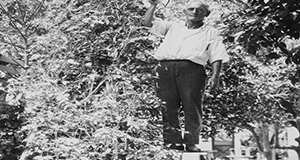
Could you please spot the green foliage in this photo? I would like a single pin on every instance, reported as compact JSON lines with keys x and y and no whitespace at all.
{"x":263,"y":29}
{"x":98,"y":127}
{"x":17,"y":31}
{"x":265,"y":25}
{"x":10,"y":124}
{"x":251,"y":93}
{"x":89,"y":91}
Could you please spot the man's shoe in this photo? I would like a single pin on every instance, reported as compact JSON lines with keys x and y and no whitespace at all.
{"x":177,"y":146}
{"x":174,"y":146}
{"x":192,"y":148}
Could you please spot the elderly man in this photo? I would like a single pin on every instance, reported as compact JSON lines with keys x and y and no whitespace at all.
{"x":186,"y":49}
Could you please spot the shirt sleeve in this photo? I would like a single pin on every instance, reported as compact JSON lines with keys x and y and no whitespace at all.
{"x":217,"y":50}
{"x":160,"y":27}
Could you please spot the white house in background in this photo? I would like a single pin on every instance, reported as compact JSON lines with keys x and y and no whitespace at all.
{"x":226,"y":147}
{"x":287,"y":138}
{"x":231,"y":147}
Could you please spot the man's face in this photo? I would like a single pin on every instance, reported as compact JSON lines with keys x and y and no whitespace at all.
{"x":195,"y":11}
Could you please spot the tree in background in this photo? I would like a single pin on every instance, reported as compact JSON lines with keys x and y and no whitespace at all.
{"x":268,"y":30}
{"x":265,"y":28}
{"x":252,"y":101}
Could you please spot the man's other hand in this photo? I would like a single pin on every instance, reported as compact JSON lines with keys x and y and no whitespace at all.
{"x":213,"y":83}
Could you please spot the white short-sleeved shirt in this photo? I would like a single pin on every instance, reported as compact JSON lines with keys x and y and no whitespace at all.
{"x":180,"y":43}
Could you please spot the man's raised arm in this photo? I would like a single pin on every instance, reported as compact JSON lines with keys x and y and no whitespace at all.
{"x":148,"y":17}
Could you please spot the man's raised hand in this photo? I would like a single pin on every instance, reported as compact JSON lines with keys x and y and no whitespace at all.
{"x":153,"y":2}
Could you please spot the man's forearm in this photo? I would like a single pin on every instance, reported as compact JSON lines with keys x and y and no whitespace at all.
{"x":148,"y":17}
{"x":216,"y":68}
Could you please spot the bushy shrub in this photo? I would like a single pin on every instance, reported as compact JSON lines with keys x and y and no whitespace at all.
{"x":89,"y":90}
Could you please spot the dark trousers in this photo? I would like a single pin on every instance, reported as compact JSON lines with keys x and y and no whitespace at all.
{"x":181,"y":83}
